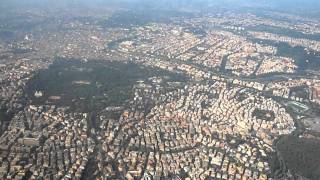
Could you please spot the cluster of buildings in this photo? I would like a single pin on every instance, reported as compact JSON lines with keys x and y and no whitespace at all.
{"x":196,"y":132}
{"x":282,"y":88}
{"x":14,"y":75}
{"x":307,"y":43}
{"x":315,"y":95}
{"x":245,"y":21}
{"x":277,"y":64}
{"x":46,"y":143}
{"x":217,"y":49}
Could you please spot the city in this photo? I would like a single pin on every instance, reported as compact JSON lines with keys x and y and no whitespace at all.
{"x":113,"y":93}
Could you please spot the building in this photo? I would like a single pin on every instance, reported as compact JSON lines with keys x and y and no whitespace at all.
{"x":316,"y":92}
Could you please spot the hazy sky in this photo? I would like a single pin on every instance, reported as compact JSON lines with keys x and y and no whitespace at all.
{"x":283,"y":5}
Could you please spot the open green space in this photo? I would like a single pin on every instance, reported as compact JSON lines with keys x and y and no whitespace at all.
{"x":301,"y":155}
{"x":88,"y":85}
